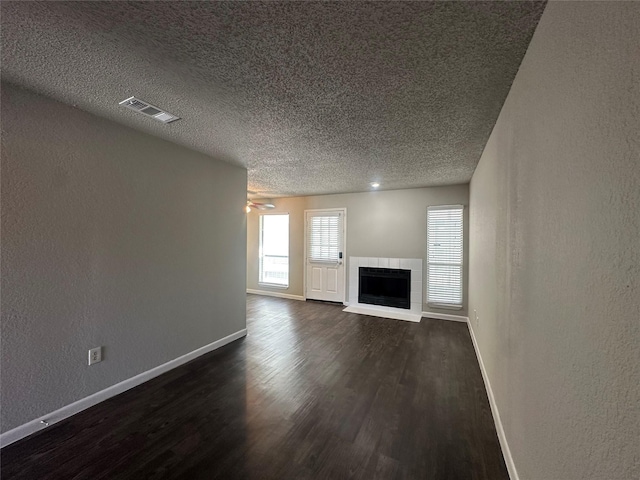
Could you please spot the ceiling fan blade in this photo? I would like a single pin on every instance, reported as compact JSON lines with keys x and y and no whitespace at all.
{"x":260,"y":206}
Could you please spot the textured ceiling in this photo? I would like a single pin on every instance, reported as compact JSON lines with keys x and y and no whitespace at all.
{"x":312,"y":97}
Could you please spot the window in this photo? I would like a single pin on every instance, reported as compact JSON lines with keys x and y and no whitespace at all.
{"x":444,"y":256}
{"x":274,"y":250}
{"x":324,"y":238}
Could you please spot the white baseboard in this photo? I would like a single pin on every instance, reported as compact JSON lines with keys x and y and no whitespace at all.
{"x":446,"y":316}
{"x":33,"y":426}
{"x":409,"y":317}
{"x":506,"y":452}
{"x":269,"y":293}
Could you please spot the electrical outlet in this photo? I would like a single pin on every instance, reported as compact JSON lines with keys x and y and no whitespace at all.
{"x":95,"y":355}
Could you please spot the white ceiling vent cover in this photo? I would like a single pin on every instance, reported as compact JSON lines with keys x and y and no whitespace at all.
{"x":149,"y":110}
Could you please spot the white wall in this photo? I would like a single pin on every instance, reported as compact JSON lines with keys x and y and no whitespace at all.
{"x":109,"y":237}
{"x":555,"y":248}
{"x":389,"y":223}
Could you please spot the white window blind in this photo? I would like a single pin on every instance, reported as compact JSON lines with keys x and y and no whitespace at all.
{"x":444,"y":256}
{"x":274,"y":250}
{"x":324,"y":238}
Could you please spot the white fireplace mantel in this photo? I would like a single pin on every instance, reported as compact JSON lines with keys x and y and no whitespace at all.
{"x":413,"y":314}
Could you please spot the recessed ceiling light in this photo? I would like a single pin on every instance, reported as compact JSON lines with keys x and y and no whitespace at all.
{"x":375,"y":184}
{"x":149,"y":110}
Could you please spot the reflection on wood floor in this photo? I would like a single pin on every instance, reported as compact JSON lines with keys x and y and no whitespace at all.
{"x":311,"y":393}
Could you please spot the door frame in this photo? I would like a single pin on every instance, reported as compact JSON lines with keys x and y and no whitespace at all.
{"x":344,"y":249}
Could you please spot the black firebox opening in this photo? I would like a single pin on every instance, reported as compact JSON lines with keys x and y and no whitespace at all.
{"x":390,"y":287}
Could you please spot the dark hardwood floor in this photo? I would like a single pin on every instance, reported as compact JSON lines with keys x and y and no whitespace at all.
{"x":310,"y":393}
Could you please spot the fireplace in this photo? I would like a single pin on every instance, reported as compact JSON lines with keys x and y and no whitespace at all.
{"x":411,"y":312}
{"x":390,"y":287}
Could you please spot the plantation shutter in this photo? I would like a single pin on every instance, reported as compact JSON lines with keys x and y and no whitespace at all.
{"x":324,"y":243}
{"x":444,"y":256}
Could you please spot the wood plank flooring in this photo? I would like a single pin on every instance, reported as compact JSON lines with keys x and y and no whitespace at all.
{"x":311,"y":393}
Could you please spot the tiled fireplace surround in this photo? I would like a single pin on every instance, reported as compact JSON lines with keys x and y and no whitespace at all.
{"x":414,"y":264}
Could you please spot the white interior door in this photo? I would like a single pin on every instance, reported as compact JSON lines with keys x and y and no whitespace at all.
{"x":324,"y":263}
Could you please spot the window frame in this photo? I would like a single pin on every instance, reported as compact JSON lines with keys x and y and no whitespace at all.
{"x":260,"y":251}
{"x":449,"y":306}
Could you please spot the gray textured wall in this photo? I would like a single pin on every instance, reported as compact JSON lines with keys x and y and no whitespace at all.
{"x":555,"y":249}
{"x":109,"y":237}
{"x":379,"y":224}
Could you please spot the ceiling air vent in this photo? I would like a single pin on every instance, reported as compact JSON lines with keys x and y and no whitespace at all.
{"x":149,"y":110}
